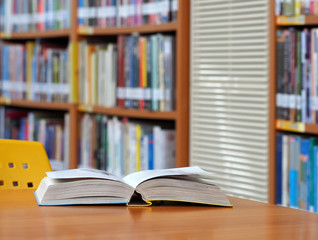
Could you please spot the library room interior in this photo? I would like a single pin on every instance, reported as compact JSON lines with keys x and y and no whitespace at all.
{"x":159,"y":119}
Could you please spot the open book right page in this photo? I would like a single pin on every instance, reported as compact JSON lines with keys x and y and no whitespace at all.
{"x":134,"y":179}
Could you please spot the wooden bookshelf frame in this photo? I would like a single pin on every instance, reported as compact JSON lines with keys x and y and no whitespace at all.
{"x":64,"y":33}
{"x":272,"y":107}
{"x":181,"y":30}
{"x":296,"y":20}
{"x":165,"y":27}
{"x":277,"y":125}
{"x":131,"y":113}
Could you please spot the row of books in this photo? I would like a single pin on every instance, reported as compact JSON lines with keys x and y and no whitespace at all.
{"x":34,"y":71}
{"x":111,"y":13}
{"x":30,"y":15}
{"x":297,"y":75}
{"x":296,"y":7}
{"x":51,"y":129}
{"x":137,"y":73}
{"x":124,"y":146}
{"x":296,"y":172}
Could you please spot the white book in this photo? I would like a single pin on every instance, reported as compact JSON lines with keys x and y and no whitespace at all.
{"x":107,"y":77}
{"x":158,"y":148}
{"x":114,"y":77}
{"x":118,"y":161}
{"x":132,"y":147}
{"x":169,"y":148}
{"x":126,"y":145}
{"x":144,"y":153}
{"x":31,"y":123}
{"x":66,"y":157}
{"x":100,"y":73}
{"x":94,"y":78}
{"x":89,"y":186}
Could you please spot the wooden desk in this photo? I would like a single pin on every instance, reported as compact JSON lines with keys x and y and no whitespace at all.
{"x":22,"y":218}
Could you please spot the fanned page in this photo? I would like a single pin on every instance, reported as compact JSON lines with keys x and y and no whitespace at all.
{"x":82,"y":173}
{"x":134,"y":179}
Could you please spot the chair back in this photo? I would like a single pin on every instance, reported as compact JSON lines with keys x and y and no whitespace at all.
{"x":22,"y":164}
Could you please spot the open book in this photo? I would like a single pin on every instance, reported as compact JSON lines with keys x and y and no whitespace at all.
{"x":89,"y":186}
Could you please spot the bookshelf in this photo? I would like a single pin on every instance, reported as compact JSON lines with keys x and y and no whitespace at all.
{"x":179,"y":117}
{"x":288,"y":130}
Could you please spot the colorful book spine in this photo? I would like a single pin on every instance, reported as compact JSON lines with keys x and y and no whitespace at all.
{"x":127,"y":146}
{"x":136,"y":73}
{"x":111,"y":13}
{"x":297,"y":156}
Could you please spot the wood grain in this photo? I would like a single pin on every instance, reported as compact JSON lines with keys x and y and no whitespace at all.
{"x":22,"y":218}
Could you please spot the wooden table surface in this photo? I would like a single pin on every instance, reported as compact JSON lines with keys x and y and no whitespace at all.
{"x":22,"y":218}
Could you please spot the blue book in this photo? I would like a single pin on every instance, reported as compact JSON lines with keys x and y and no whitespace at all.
{"x":22,"y":129}
{"x":294,"y":172}
{"x":279,"y":171}
{"x":80,"y":18}
{"x":150,"y":152}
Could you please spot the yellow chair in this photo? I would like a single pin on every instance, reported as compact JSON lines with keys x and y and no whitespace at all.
{"x":22,"y":164}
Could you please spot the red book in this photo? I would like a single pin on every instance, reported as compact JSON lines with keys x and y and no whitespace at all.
{"x":41,"y":14}
{"x":121,"y":74}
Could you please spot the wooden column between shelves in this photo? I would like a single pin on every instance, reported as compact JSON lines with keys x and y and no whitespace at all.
{"x":73,"y":22}
{"x":182,"y":83}
{"x":74,"y":128}
{"x":272,"y":106}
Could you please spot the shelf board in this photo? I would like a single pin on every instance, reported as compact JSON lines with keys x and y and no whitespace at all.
{"x":296,"y":126}
{"x":166,"y":27}
{"x":127,"y":112}
{"x":37,"y":105}
{"x":33,"y":35}
{"x":297,"y":20}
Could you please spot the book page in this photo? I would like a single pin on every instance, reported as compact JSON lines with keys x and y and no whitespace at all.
{"x":82,"y":173}
{"x":134,"y":179}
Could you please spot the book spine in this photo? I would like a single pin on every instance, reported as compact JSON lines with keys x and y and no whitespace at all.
{"x":304,"y":159}
{"x":138,"y":147}
{"x":121,"y":72}
{"x":151,"y":151}
{"x":279,"y":153}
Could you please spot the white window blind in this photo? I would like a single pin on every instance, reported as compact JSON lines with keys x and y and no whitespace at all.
{"x":229,"y":93}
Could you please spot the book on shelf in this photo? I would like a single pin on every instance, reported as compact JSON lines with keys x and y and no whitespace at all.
{"x":31,"y":16}
{"x":124,"y":146}
{"x":296,"y":7}
{"x":49,"y":128}
{"x":35,"y":71}
{"x":136,"y":73}
{"x":297,"y":79}
{"x":296,"y":173}
{"x":87,"y":186}
{"x":122,"y":13}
